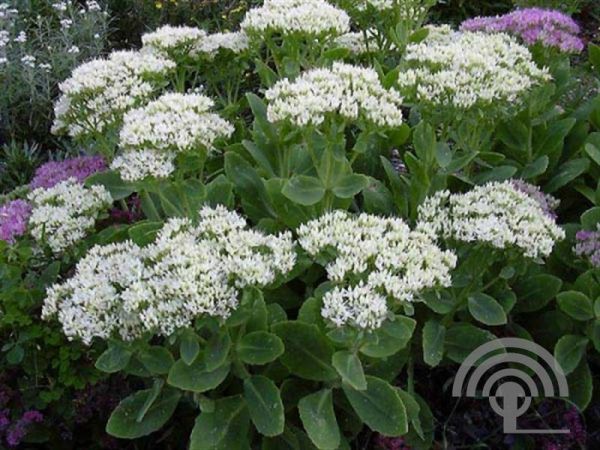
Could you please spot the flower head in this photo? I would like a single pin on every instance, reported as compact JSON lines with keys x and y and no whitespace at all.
{"x":497,"y":214}
{"x":14,"y":217}
{"x":352,"y":92}
{"x":53,"y":172}
{"x":547,"y":27}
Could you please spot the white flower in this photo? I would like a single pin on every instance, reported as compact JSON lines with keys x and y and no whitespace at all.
{"x":496,"y":214}
{"x":93,"y":6}
{"x":387,"y":257}
{"x":211,"y":44}
{"x":28,"y":60}
{"x":466,"y":70}
{"x":66,"y":23}
{"x":60,"y":6}
{"x":359,"y":306}
{"x":99,"y":92}
{"x":173,"y":41}
{"x":188,"y":271}
{"x":174,"y":123}
{"x":21,"y":37}
{"x":308,"y":17}
{"x":73,"y":50}
{"x":134,"y":165}
{"x":63,"y":214}
{"x":350,"y":91}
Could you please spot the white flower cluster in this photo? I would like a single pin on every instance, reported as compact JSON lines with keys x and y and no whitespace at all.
{"x":407,"y":9}
{"x":172,"y":124}
{"x":99,"y":92}
{"x":497,"y":214}
{"x":236,"y":42}
{"x":188,"y":271}
{"x":173,"y":41}
{"x":178,"y":42}
{"x":383,"y":253}
{"x":353,"y":92}
{"x":65,"y":213}
{"x":463,"y":70}
{"x":307,"y":17}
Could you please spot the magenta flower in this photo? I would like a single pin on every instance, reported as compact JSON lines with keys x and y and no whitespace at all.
{"x":53,"y":172}
{"x":14,"y":216}
{"x":547,"y":27}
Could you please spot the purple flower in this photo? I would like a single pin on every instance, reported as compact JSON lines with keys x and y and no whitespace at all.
{"x":14,"y":216}
{"x":545,"y":201}
{"x":32,"y":416}
{"x":53,"y":172}
{"x":389,"y":443}
{"x":588,"y":245}
{"x":547,"y":27}
{"x":17,"y":432}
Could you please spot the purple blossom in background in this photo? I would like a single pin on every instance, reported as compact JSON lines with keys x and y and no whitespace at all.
{"x":548,"y":27}
{"x":53,"y":172}
{"x":546,"y":202}
{"x":390,"y":443}
{"x":14,"y":216}
{"x":18,"y":431}
{"x":588,"y":245}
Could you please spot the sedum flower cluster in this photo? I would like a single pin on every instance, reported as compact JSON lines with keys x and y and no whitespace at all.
{"x":64,"y":214}
{"x":588,"y":245}
{"x":353,"y":92}
{"x":154,"y":134}
{"x":176,"y":42}
{"x":173,"y":41}
{"x":99,"y":92}
{"x":468,"y":70}
{"x":547,"y":27}
{"x":369,"y":259}
{"x":53,"y":172}
{"x":190,"y":270}
{"x":306,"y":17}
{"x":14,"y":216}
{"x":497,"y":214}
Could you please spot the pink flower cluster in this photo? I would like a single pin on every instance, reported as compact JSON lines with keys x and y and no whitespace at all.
{"x":53,"y":172}
{"x":14,"y":216}
{"x":547,"y":27}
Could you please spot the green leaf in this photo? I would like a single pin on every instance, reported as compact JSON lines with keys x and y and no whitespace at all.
{"x":195,"y":378}
{"x":595,"y":334}
{"x":15,"y":355}
{"x":307,"y":352}
{"x":259,"y":348}
{"x":114,"y":359}
{"x":350,"y":369}
{"x":318,"y":417}
{"x":443,"y":154}
{"x":591,"y":218}
{"x":581,"y":386}
{"x":225,"y":428}
{"x":390,"y":338}
{"x":424,"y":142}
{"x":113,"y":183}
{"x":486,"y":309}
{"x":379,"y":406}
{"x":463,"y":338}
{"x":123,"y":421}
{"x":594,"y":56}
{"x":264,"y":404}
{"x":576,"y":305}
{"x":433,"y":342}
{"x":569,"y":350}
{"x":533,"y":293}
{"x":189,"y":347}
{"x":536,"y":168}
{"x":304,"y":190}
{"x":567,"y":172}
{"x":413,"y":410}
{"x":593,"y":152}
{"x":157,"y":359}
{"x":143,"y":233}
{"x":217,"y":350}
{"x":350,"y":185}
{"x":155,"y":392}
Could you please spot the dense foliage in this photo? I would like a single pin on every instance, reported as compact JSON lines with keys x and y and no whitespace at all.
{"x":283,"y":224}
